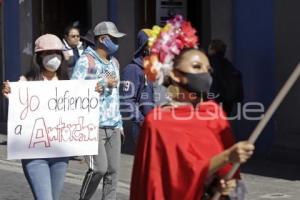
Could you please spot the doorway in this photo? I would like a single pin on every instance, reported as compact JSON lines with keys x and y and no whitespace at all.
{"x":52,"y":16}
{"x":197,"y":12}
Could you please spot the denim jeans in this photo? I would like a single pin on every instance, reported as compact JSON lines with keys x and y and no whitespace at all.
{"x":45,"y":176}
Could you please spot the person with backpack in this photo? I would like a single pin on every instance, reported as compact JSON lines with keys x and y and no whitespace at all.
{"x":227,"y":86}
{"x":99,"y":63}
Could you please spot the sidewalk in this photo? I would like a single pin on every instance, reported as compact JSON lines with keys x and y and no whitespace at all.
{"x":78,"y":168}
{"x":265,"y":179}
{"x":75,"y":173}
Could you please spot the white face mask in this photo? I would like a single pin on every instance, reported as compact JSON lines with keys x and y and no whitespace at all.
{"x":52,"y":62}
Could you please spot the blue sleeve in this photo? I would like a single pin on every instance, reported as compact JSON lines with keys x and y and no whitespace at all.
{"x":129,"y":94}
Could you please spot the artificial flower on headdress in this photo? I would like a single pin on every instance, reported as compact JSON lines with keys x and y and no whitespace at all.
{"x":165,"y":43}
{"x":153,"y":34}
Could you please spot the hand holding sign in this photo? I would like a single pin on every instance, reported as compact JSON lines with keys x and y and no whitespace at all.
{"x":53,"y":119}
{"x":6,"y":88}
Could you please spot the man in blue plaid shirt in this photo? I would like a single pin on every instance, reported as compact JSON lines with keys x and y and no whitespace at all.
{"x":99,"y":63}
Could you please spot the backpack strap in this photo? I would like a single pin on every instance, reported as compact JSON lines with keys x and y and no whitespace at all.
{"x":92,"y":63}
{"x":115,"y":62}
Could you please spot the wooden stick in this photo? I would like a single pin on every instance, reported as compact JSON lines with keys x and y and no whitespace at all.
{"x":263,"y":122}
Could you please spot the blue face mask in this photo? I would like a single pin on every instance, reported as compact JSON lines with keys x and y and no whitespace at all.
{"x":110,"y":46}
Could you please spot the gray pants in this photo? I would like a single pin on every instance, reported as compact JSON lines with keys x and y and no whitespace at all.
{"x":104,"y":165}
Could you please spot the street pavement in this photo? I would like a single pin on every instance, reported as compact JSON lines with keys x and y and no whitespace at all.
{"x":265,"y":179}
{"x":13,"y":185}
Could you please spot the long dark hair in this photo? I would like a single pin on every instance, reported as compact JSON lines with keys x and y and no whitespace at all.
{"x":35,"y":72}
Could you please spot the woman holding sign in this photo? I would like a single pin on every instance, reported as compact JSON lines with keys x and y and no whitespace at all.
{"x":45,"y":175}
{"x":187,"y":143}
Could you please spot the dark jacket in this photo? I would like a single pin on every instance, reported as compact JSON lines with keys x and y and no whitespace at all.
{"x":136,"y":91}
{"x":227,"y":83}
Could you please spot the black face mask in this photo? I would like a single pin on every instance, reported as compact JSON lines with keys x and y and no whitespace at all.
{"x":197,"y":83}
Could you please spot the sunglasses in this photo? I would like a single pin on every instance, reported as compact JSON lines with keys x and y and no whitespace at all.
{"x":74,"y":36}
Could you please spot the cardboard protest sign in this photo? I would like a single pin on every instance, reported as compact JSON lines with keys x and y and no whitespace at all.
{"x":53,"y":119}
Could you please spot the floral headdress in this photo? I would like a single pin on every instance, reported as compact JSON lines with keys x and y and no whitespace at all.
{"x":164,"y":43}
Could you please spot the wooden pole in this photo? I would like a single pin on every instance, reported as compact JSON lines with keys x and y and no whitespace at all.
{"x":263,"y":122}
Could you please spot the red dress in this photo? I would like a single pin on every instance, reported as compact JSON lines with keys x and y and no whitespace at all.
{"x":174,"y":152}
